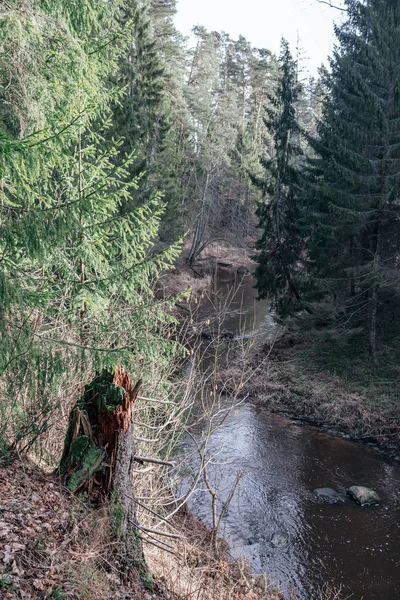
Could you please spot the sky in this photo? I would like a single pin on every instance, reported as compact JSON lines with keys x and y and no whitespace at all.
{"x":264,"y":22}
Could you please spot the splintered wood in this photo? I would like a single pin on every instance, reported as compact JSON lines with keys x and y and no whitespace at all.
{"x":97,"y":421}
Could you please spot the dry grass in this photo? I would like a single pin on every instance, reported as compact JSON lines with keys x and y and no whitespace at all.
{"x":53,"y":545}
{"x":194,"y":571}
{"x":277,"y":378}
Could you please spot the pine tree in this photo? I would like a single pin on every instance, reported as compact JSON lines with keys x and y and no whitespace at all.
{"x":281,"y":241}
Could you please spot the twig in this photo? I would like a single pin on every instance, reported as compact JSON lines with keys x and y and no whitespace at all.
{"x":156,"y":532}
{"x":155,"y":461}
{"x":329,"y":3}
{"x":153,"y":512}
{"x":151,"y":541}
{"x":156,"y":400}
{"x":148,"y":426}
{"x":142,"y":471}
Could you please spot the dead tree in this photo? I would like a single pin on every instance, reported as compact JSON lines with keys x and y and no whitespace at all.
{"x":99,"y":453}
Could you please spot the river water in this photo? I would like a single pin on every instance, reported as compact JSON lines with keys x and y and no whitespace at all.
{"x":273,"y":518}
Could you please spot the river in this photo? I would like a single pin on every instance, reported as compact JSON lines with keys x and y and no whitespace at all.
{"x":273,"y":519}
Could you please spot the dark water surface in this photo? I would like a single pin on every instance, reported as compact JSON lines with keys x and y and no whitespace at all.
{"x":274,"y":519}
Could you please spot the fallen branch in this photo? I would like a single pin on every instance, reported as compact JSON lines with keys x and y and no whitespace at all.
{"x":147,"y":540}
{"x":153,"y":512}
{"x":155,"y":461}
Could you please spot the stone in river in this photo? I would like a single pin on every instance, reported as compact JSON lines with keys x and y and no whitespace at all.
{"x":243,"y":271}
{"x":330,"y":496}
{"x":279,"y":538}
{"x":363,"y":495}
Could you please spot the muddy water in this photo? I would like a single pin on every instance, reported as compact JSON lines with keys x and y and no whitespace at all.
{"x":273,"y":519}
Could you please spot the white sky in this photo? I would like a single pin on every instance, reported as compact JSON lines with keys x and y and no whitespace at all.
{"x":264,"y":22}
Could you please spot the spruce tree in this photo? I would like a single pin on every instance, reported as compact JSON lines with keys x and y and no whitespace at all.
{"x":281,"y":241}
{"x":353,"y":184}
{"x":138,"y":116}
{"x":76,"y":272}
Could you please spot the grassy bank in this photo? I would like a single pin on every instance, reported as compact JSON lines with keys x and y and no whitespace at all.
{"x":332,"y":384}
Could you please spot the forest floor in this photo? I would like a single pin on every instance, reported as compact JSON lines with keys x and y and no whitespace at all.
{"x":324,"y":383}
{"x":52,"y":545}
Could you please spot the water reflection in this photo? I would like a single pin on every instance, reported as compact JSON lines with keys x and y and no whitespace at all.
{"x":273,"y":518}
{"x":274,"y":521}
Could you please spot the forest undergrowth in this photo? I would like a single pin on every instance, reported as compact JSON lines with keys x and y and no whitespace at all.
{"x":56,"y":545}
{"x":319,"y":377}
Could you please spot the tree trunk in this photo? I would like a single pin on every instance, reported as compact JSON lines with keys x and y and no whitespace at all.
{"x":372,"y":322}
{"x":99,"y":453}
{"x":200,"y":225}
{"x":375,"y":289}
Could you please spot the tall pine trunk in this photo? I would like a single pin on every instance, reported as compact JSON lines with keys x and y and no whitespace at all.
{"x":200,"y":225}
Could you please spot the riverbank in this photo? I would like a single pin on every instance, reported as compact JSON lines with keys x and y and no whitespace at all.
{"x":307,"y":373}
{"x":322,"y":385}
{"x":197,"y":280}
{"x":53,"y":545}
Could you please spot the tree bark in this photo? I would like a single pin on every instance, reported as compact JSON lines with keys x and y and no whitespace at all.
{"x":200,"y":225}
{"x":99,"y":453}
{"x":374,"y":293}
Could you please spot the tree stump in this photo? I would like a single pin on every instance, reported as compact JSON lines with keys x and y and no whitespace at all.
{"x":99,"y":452}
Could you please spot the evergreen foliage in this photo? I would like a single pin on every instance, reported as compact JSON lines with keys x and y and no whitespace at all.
{"x":140,"y":73}
{"x":353,"y":183}
{"x":115,"y":137}
{"x":281,"y":242}
{"x":76,"y":271}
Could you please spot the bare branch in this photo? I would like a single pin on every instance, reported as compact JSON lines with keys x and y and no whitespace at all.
{"x":329,"y":3}
{"x":156,"y":532}
{"x":155,"y":461}
{"x":156,"y":400}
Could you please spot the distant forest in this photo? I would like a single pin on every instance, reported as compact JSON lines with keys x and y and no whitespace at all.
{"x":121,"y":142}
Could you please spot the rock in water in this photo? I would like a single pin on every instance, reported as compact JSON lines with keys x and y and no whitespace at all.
{"x":279,"y":539}
{"x":330,"y":496}
{"x":363,"y":495}
{"x":243,"y":271}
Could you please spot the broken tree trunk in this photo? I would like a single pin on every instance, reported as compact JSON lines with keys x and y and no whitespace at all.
{"x":99,"y":452}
